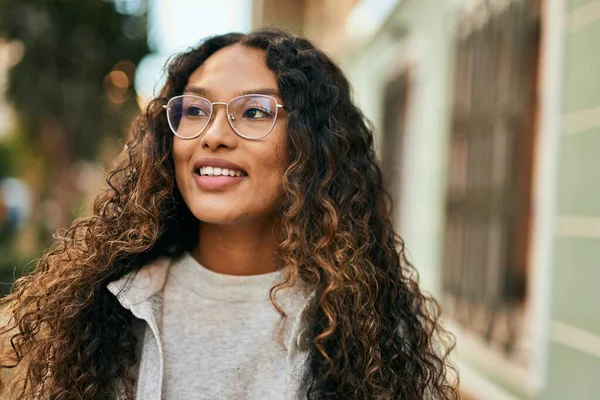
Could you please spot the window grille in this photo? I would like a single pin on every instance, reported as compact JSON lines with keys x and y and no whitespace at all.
{"x":488,"y":206}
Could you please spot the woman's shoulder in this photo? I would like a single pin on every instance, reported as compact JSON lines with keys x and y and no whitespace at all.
{"x":141,"y":284}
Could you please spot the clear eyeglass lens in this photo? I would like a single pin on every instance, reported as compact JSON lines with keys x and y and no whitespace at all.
{"x":188,"y":115}
{"x":252,"y":116}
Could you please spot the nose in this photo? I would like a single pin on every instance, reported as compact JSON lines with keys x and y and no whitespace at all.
{"x":219,"y":132}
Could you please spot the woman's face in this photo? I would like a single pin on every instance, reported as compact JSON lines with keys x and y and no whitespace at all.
{"x":254,"y":196}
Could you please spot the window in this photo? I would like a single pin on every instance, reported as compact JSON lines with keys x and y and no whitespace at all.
{"x":394,"y":129}
{"x":489,"y":195}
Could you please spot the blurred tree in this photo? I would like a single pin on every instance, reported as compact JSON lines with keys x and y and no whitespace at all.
{"x":7,"y":162}
{"x":73,"y":86}
{"x":10,"y":162}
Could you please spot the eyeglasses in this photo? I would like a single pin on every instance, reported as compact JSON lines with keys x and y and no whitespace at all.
{"x":251,"y":116}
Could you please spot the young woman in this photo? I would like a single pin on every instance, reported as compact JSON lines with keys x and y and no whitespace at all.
{"x":244,"y":250}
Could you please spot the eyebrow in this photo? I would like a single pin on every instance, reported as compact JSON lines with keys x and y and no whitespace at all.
{"x":206,"y":93}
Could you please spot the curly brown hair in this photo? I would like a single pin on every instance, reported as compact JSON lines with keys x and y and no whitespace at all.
{"x":376,"y":335}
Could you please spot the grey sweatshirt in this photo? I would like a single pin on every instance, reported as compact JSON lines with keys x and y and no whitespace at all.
{"x":275,"y":369}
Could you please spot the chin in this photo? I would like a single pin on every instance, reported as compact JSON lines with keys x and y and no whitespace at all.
{"x":217,"y":218}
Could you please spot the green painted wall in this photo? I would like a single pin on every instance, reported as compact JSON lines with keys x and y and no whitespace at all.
{"x":575,"y":373}
{"x":582,"y":68}
{"x":572,"y":375}
{"x":579,"y":183}
{"x":576,"y":277}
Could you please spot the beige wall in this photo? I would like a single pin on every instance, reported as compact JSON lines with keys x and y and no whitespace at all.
{"x":322,"y":21}
{"x":325,"y":23}
{"x":283,"y":14}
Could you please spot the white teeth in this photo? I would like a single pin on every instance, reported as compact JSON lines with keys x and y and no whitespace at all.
{"x":216,"y":171}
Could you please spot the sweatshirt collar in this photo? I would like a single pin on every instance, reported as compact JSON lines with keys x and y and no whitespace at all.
{"x":138,"y":286}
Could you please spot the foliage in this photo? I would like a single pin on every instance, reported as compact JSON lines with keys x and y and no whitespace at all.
{"x":71,"y":89}
{"x":6,"y":160}
{"x":70,"y":47}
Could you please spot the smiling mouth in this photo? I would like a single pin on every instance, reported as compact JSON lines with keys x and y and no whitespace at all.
{"x":217,"y":172}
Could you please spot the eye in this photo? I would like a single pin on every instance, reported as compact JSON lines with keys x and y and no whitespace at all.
{"x":195,"y":111}
{"x":256,"y":113}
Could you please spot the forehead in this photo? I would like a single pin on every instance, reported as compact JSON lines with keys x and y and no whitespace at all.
{"x":232,"y":70}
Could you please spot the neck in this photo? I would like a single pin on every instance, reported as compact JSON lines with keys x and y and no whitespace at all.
{"x":237,"y":249}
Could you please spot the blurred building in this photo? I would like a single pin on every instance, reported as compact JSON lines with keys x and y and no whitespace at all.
{"x":10,"y":53}
{"x":488,"y":125}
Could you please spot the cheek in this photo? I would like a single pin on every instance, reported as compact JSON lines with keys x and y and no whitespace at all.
{"x":278,"y":148}
{"x":181,"y":156}
{"x":273,"y":166}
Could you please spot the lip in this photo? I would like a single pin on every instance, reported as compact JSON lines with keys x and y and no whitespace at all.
{"x":216,"y":183}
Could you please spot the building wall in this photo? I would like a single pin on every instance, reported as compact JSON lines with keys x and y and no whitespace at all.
{"x":417,"y":36}
{"x":325,"y":23}
{"x":282,"y":14}
{"x":575,"y":334}
{"x":322,"y":21}
{"x":565,"y":323}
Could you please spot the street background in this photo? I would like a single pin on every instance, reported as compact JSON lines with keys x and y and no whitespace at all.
{"x":487,"y":118}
